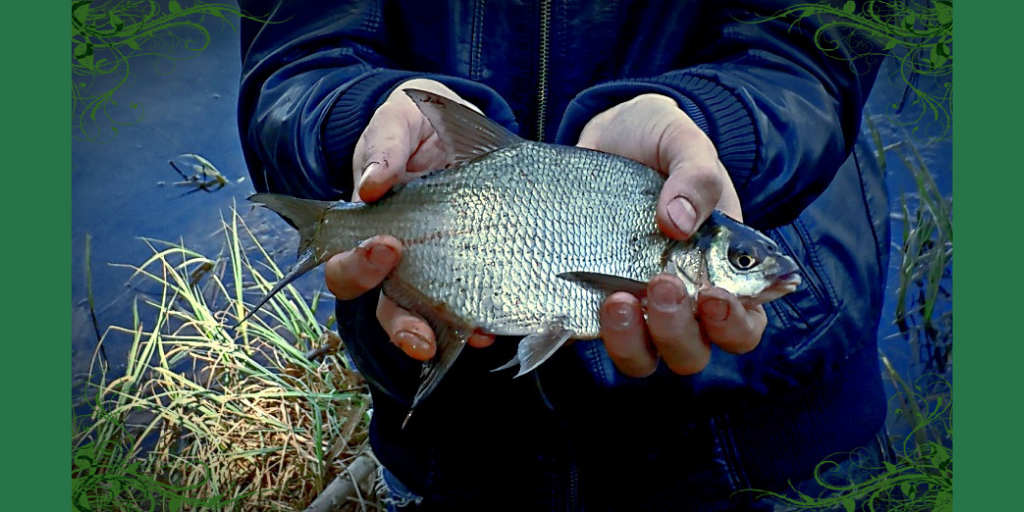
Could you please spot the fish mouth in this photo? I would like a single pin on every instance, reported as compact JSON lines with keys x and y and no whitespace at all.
{"x":782,"y":284}
{"x":788,"y":281}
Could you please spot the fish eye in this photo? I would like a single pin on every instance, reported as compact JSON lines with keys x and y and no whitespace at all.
{"x":745,"y":261}
{"x":744,"y":257}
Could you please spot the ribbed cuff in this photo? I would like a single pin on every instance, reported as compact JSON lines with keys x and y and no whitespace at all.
{"x":355,"y":105}
{"x":717,"y":111}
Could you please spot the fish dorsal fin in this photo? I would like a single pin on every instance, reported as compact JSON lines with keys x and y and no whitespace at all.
{"x":466,"y":133}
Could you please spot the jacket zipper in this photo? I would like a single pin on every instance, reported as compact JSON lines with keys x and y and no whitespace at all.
{"x":575,"y":504}
{"x":542,"y":72}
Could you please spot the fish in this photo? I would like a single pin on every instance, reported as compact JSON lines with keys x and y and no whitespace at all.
{"x":521,"y":238}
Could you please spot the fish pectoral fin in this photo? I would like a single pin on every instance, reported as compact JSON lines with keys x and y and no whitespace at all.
{"x":466,"y":133}
{"x":607,"y":283}
{"x":536,"y":348}
{"x":510,"y":364}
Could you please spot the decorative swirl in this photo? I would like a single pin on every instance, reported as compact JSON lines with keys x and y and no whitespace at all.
{"x":105,"y":40}
{"x":920,"y":37}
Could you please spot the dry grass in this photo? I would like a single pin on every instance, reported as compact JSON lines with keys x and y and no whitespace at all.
{"x":223,"y":413}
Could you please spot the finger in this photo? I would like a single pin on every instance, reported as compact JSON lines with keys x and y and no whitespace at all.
{"x":353,"y":273}
{"x":674,"y":330}
{"x":384,"y":148}
{"x":413,"y":335}
{"x":625,"y":336}
{"x":430,"y":155}
{"x":730,"y":325}
{"x":408,"y":331}
{"x":480,"y":339}
{"x":691,"y":192}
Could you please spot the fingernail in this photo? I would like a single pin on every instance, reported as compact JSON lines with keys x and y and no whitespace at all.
{"x":714,"y":309}
{"x":682,"y":214}
{"x":620,"y":318}
{"x":412,"y":342}
{"x":367,"y":171}
{"x":381,"y":257}
{"x":666,"y":297}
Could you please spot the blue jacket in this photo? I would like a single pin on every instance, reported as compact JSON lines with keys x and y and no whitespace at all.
{"x":785,"y":118}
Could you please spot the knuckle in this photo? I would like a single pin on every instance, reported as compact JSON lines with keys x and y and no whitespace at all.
{"x":741,"y":342}
{"x":738,"y":347}
{"x":636,"y":369}
{"x":704,"y":174}
{"x":690,"y":364}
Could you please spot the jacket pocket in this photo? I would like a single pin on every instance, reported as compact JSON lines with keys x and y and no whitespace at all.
{"x":813,"y":305}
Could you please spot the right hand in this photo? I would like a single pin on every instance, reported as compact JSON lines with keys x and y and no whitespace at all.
{"x":397,"y":146}
{"x":677,"y":326}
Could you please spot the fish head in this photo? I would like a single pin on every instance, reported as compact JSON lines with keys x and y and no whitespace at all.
{"x":742,"y":261}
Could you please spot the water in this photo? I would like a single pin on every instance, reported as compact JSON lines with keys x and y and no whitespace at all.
{"x":117,"y":195}
{"x":122,"y":189}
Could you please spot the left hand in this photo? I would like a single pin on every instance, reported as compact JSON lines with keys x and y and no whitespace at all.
{"x":653,"y":130}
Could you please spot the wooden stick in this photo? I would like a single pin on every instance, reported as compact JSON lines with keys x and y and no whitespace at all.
{"x":343,"y":486}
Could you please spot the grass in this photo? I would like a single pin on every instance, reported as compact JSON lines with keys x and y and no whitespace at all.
{"x":207,"y":416}
{"x":924,"y":315}
{"x":91,"y":300}
{"x":927,"y":241}
{"x":921,"y":479}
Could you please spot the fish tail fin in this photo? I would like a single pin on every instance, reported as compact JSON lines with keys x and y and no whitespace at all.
{"x":303,"y":214}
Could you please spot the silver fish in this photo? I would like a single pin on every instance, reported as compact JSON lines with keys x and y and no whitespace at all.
{"x":521,"y":238}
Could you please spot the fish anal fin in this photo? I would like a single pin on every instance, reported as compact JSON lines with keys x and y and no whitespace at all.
{"x":450,"y":336}
{"x":466,"y":133}
{"x":607,"y":283}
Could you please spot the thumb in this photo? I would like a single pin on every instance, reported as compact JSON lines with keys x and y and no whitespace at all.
{"x":384,"y":148}
{"x":691,"y":192}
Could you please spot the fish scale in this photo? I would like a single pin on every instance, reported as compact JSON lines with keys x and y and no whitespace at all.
{"x":509,"y":251}
{"x":523,"y":238}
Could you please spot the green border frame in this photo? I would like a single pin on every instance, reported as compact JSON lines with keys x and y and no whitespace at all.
{"x":989,"y":362}
{"x":989,"y":358}
{"x":37,"y":208}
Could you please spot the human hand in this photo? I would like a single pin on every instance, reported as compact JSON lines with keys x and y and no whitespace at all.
{"x":653,"y":130}
{"x":398,"y":145}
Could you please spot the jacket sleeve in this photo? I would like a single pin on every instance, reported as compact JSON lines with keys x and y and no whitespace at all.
{"x":782,"y":113}
{"x":311,"y":80}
